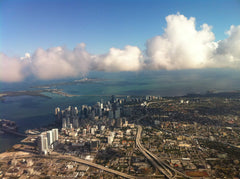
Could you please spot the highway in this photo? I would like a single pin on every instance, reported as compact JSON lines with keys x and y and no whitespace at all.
{"x":155,"y":102}
{"x":72,"y":158}
{"x":78,"y":160}
{"x":145,"y":153}
{"x":164,"y":168}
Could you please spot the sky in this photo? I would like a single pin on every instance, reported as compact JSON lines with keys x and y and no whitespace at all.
{"x":65,"y":38}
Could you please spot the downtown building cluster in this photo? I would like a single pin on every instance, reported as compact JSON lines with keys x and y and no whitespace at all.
{"x":86,"y":123}
{"x":71,"y":117}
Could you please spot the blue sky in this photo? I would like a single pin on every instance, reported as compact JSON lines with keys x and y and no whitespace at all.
{"x":56,"y":39}
{"x":29,"y":24}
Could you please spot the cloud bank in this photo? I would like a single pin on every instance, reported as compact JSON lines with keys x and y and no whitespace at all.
{"x":181,"y":46}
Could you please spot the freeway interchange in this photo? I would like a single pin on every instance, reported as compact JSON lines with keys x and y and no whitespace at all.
{"x":164,"y":168}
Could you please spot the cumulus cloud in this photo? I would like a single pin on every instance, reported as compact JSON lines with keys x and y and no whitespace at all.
{"x":128,"y":59}
{"x":59,"y":62}
{"x":227,"y":53}
{"x":181,"y":46}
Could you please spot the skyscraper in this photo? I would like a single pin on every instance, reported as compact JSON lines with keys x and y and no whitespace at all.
{"x":50,"y":138}
{"x":117,"y":113}
{"x":57,"y":110}
{"x":55,"y":134}
{"x":75,"y":123}
{"x":110,"y":114}
{"x":43,"y":144}
{"x":64,"y":123}
{"x":119,"y":122}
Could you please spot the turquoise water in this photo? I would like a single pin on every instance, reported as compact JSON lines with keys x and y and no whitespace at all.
{"x":33,"y":112}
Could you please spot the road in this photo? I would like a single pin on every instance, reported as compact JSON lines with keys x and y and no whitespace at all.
{"x":13,"y":132}
{"x":145,"y":153}
{"x":78,"y":160}
{"x":151,"y":103}
{"x":166,"y":169}
{"x":72,"y":158}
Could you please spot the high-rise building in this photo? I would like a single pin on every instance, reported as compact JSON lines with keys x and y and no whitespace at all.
{"x":42,"y":148}
{"x":76,"y":110}
{"x":57,"y":111}
{"x":85,"y":111}
{"x":110,"y":114}
{"x":64,"y":123}
{"x":119,"y":122}
{"x":68,"y":121}
{"x":50,"y":138}
{"x":43,"y":144}
{"x":117,"y":113}
{"x":113,"y":98}
{"x":75,"y":123}
{"x":55,"y":134}
{"x":58,"y":114}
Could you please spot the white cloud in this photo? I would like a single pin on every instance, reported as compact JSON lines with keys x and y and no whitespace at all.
{"x":227,"y":53}
{"x":59,"y":62}
{"x":11,"y":69}
{"x":181,"y":46}
{"x":128,"y":59}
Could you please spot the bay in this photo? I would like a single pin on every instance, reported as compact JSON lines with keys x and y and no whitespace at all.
{"x":33,"y":111}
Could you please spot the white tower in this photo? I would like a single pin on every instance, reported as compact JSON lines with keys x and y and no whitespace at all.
{"x":55,"y":134}
{"x":50,"y":137}
{"x":43,"y":144}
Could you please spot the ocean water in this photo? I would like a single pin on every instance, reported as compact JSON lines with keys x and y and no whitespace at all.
{"x":33,"y":111}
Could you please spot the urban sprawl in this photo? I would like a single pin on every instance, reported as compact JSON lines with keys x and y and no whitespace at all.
{"x":194,"y":136}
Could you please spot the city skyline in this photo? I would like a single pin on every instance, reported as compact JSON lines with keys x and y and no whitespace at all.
{"x":119,"y":89}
